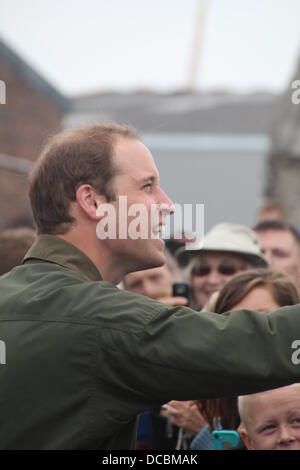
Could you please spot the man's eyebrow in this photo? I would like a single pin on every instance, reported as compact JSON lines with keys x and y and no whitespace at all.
{"x":148,"y":179}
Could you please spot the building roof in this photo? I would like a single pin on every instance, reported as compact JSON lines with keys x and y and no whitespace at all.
{"x":150,"y":112}
{"x":32,"y":77}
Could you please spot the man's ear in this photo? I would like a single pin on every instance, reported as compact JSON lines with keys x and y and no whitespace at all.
{"x":245,"y":437}
{"x":89,"y":200}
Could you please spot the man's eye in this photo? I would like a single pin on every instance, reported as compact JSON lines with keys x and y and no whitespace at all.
{"x":296,"y":421}
{"x":148,"y":187}
{"x":280,"y":254}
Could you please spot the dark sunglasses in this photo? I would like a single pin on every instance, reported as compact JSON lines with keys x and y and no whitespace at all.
{"x":223,"y":269}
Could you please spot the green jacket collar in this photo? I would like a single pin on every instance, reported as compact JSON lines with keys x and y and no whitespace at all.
{"x":56,"y":250}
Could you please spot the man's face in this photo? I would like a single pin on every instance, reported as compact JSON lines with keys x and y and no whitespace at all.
{"x":281,"y":251}
{"x":210,"y":273}
{"x":273,"y":420}
{"x":138,"y":179}
{"x":154,"y":283}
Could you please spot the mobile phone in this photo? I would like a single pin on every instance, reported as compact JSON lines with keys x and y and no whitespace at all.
{"x":225,"y":439}
{"x":182,"y":289}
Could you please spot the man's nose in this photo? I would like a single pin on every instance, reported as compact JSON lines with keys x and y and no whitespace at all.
{"x":165,"y":203}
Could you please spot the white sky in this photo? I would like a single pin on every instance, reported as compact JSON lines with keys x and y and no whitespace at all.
{"x":89,"y":45}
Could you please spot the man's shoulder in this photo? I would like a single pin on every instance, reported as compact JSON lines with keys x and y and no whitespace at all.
{"x":109,"y":307}
{"x":124,"y":307}
{"x":52,"y":292}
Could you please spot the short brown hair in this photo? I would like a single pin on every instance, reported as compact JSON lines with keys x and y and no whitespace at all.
{"x":278,"y":225}
{"x":69,"y":159}
{"x":14,"y":243}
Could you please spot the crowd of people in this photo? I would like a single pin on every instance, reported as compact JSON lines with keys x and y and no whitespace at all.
{"x":238,"y":269}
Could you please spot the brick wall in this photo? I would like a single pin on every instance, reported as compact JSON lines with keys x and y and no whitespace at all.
{"x":14,"y":202}
{"x":30,"y":114}
{"x":27,"y":117}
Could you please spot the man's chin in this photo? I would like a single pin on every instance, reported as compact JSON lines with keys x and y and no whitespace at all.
{"x":147,"y":255}
{"x":155,"y":257}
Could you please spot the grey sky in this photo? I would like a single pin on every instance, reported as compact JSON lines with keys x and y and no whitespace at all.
{"x":89,"y":45}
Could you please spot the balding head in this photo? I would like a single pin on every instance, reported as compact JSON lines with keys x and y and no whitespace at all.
{"x":271,"y":419}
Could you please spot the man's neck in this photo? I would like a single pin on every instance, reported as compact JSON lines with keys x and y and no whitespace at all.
{"x":110,"y":270}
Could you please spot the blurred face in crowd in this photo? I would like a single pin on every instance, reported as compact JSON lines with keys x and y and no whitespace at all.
{"x":137,"y":178}
{"x":211,"y":271}
{"x":270,"y":214}
{"x":154,"y":283}
{"x":272,"y":419}
{"x":260,"y":299}
{"x":281,"y":251}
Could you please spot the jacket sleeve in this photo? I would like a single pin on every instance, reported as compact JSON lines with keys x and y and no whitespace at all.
{"x":182,"y":354}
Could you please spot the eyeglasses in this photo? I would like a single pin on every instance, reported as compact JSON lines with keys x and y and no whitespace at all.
{"x":223,"y":269}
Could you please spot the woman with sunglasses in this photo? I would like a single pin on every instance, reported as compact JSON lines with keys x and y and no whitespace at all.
{"x":227,"y":250}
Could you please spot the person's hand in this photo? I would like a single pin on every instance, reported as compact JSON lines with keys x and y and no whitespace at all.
{"x":173,"y":301}
{"x":184,"y":414}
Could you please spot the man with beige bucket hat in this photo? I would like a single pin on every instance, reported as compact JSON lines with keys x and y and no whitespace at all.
{"x":227,"y":249}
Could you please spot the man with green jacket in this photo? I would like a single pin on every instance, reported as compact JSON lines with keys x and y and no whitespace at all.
{"x":79,"y":358}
